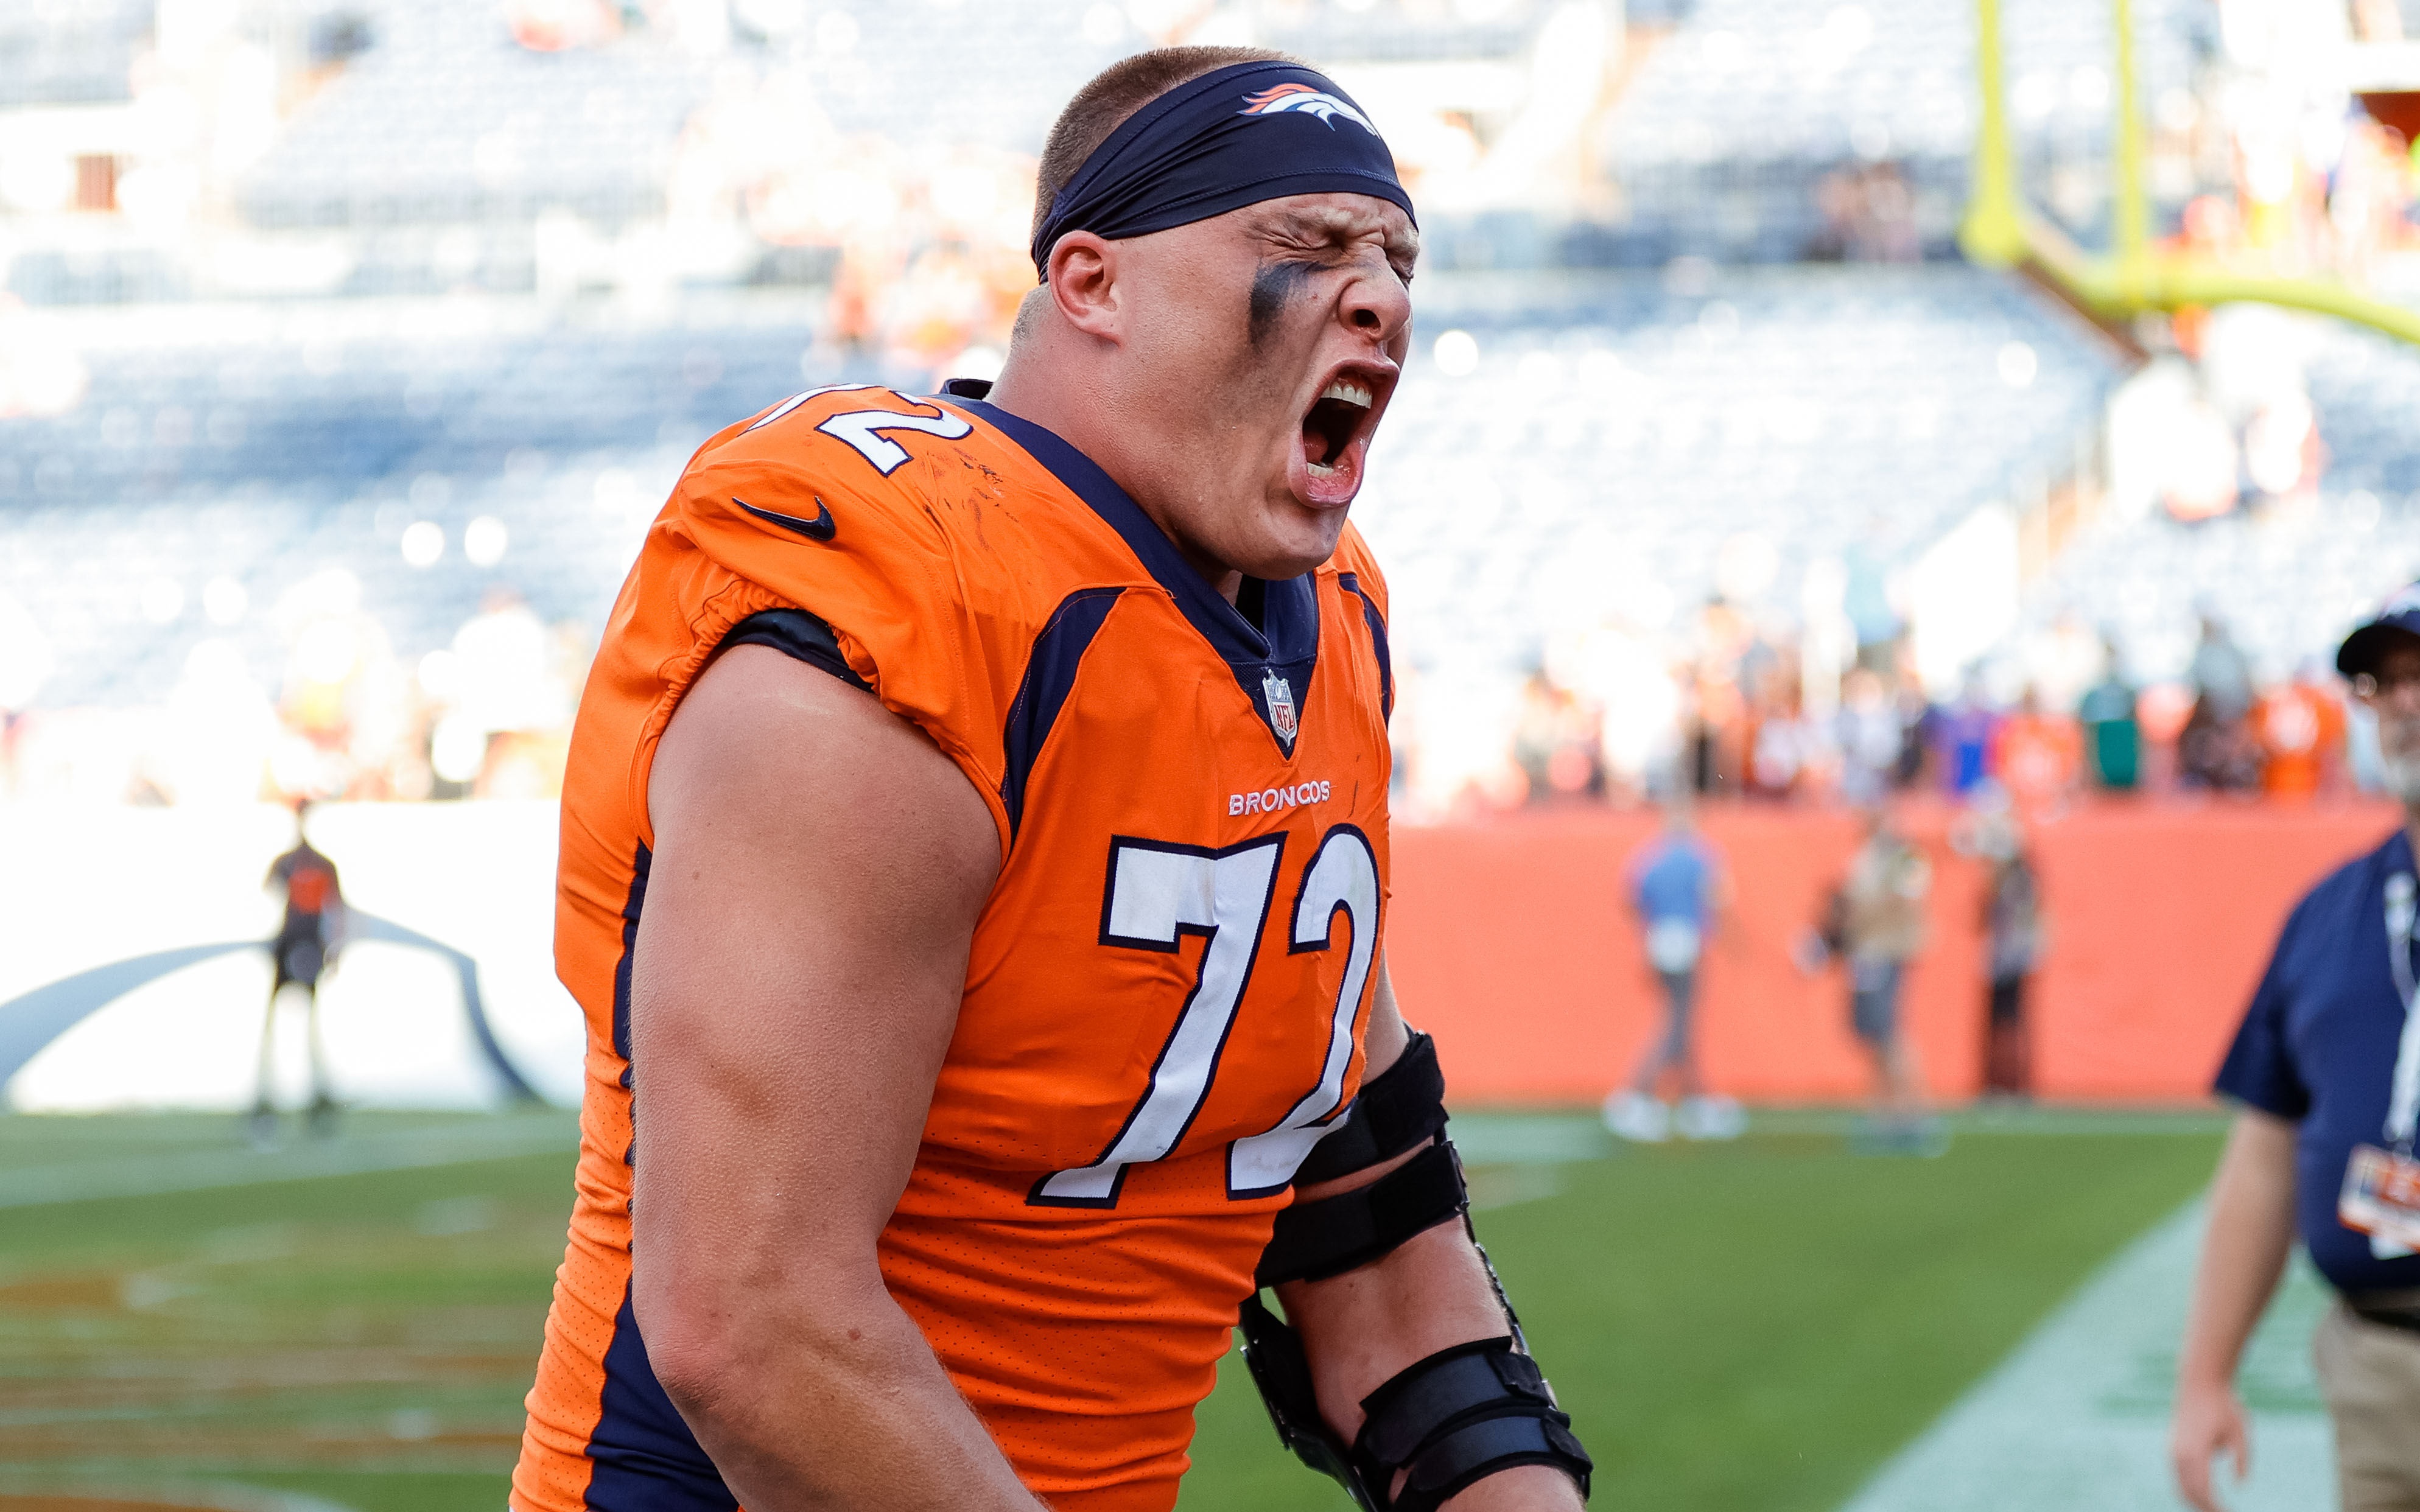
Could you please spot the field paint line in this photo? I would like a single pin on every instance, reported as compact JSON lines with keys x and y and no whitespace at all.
{"x":173,"y":1496}
{"x":502,"y":1138}
{"x":2078,"y":1415}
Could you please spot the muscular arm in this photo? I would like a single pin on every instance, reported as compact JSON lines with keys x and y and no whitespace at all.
{"x":2242,"y":1254}
{"x":819,"y":868}
{"x":1363,"y":1327}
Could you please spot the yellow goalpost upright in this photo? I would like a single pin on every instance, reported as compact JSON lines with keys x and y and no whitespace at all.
{"x":1999,"y":230}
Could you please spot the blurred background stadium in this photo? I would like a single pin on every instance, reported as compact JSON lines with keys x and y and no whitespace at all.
{"x":347,"y":348}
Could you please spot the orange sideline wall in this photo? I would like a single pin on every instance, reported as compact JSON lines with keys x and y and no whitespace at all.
{"x":1513,"y":943}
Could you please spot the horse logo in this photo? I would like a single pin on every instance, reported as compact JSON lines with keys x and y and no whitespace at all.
{"x":1302,"y":98}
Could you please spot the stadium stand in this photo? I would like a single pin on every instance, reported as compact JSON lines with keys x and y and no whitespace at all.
{"x":1736,"y":117}
{"x":263,"y":445}
{"x":1815,"y":408}
{"x":68,"y":51}
{"x":2289,"y":578}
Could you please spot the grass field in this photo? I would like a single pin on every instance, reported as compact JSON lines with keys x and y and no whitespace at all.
{"x":1757,"y":1324}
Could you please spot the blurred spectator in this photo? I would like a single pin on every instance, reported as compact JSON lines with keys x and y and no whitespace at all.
{"x":1782,"y":745}
{"x":1961,"y":738}
{"x":2113,"y":736}
{"x":1877,"y":925}
{"x":2300,"y":729}
{"x":1869,"y":736}
{"x":2013,"y":934}
{"x":2036,"y":755}
{"x":2215,"y":754}
{"x":1678,"y":891}
{"x":2220,"y":673}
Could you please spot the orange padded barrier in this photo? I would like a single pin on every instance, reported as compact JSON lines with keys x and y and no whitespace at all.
{"x":1513,"y":942}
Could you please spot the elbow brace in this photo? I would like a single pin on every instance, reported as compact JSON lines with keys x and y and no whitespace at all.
{"x":1453,"y":1419}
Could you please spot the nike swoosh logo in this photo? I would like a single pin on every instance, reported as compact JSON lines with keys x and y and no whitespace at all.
{"x":821,"y":528}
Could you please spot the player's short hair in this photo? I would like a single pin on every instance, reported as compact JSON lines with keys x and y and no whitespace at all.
{"x":1117,"y":92}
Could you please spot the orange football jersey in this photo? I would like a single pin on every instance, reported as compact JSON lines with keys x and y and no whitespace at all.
{"x":1169,"y":985}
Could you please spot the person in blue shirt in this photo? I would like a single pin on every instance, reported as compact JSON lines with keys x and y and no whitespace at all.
{"x":1678,"y":891}
{"x":2326,"y":1071}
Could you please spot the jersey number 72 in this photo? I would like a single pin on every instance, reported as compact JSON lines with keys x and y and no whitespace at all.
{"x":1157,"y":894}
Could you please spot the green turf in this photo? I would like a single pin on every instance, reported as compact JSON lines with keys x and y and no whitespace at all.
{"x":1747,"y":1325}
{"x":1760,"y":1324}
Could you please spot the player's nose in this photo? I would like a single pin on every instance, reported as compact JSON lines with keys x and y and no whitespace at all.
{"x":1377,"y":304}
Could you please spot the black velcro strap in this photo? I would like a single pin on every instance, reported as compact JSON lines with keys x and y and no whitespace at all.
{"x":1400,"y":1417}
{"x":1313,"y":1241}
{"x":1398,"y":1109}
{"x":1483,"y":1447}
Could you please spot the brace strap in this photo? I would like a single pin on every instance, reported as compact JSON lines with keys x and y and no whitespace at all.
{"x":1460,"y":1415}
{"x":1400,"y":1108}
{"x":1313,"y":1241}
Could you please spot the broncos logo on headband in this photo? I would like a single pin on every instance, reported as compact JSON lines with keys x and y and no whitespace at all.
{"x":1304,"y":99}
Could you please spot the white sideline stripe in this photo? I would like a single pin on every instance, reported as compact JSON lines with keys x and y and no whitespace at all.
{"x":155,"y":1174}
{"x":2078,"y":1415}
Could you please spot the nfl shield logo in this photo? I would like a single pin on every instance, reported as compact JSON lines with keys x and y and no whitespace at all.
{"x":1280,"y":696}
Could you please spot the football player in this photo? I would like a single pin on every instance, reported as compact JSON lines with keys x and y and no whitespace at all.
{"x":975,"y":870}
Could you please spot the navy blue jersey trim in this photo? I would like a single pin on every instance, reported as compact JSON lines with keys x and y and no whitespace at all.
{"x":1286,"y":641}
{"x":635,"y":901}
{"x":1351,"y":583}
{"x":647,"y":1459}
{"x":631,"y":905}
{"x":1049,"y":676}
{"x":793,"y":632}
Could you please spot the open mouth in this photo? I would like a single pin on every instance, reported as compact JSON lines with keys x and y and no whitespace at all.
{"x":1332,"y":424}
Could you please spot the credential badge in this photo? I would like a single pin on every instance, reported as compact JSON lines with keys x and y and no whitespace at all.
{"x":1280,"y":696}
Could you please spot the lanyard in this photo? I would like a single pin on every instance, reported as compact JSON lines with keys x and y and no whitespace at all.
{"x":2403,"y":1108}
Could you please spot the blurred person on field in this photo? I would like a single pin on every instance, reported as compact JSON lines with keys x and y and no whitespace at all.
{"x":2301,"y":727}
{"x":305,"y":948}
{"x":2325,"y":1070}
{"x":2113,"y":734}
{"x":1679,"y":892}
{"x":2035,"y":753}
{"x":1876,"y":924}
{"x":2013,"y":934}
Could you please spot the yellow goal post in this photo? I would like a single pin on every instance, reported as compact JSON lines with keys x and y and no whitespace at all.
{"x":1999,"y":230}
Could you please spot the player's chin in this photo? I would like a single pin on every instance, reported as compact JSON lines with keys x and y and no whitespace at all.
{"x":1295,"y":537}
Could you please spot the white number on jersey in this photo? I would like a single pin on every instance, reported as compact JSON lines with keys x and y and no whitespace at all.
{"x":1341,"y":879}
{"x":1157,"y":895}
{"x":863,"y":430}
{"x":1160,"y":893}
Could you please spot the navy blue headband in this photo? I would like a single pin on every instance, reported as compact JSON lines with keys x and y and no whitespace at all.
{"x":1245,"y":133}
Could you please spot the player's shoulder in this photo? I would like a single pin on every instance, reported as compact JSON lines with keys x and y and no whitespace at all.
{"x":1356,"y":568}
{"x":862,"y":471}
{"x":872,"y":444}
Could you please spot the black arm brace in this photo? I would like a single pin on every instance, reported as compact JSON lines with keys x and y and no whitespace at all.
{"x":1457,"y":1416}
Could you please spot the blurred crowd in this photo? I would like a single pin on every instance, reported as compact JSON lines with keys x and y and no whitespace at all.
{"x":1737,"y":714}
{"x":487,"y":716}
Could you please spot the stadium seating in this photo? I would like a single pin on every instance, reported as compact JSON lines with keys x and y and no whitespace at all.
{"x":1719,"y":141}
{"x":68,"y":51}
{"x":1642,"y":421}
{"x":2287,"y":580}
{"x":265,"y":442}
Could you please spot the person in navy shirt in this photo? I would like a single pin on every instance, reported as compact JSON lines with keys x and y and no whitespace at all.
{"x":2325,"y":1070}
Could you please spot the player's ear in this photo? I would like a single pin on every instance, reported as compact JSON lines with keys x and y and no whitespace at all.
{"x":1084,"y":284}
